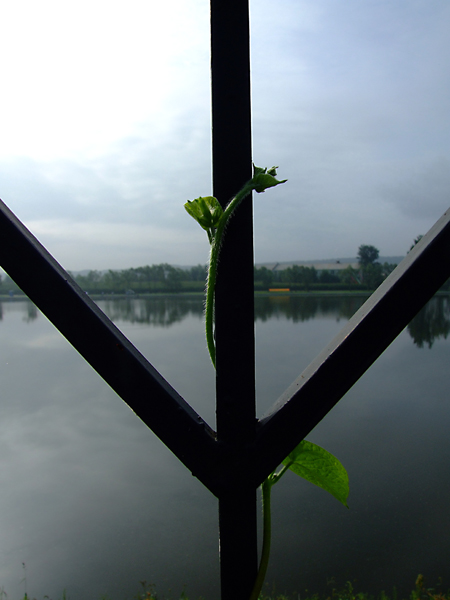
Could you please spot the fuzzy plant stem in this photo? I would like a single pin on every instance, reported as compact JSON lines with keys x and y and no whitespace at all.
{"x":266,"y":488}
{"x":267,"y":528}
{"x":213,"y":264}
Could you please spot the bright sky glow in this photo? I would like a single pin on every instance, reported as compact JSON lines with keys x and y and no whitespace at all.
{"x":105,"y":126}
{"x":81,"y":75}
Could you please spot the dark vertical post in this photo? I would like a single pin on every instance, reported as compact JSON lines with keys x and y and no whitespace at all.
{"x":235,"y":384}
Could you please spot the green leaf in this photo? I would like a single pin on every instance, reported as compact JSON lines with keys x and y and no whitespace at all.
{"x":264,"y":178}
{"x":258,"y":170}
{"x":205,"y":210}
{"x":318,"y":466}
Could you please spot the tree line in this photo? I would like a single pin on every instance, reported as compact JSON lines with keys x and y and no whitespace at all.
{"x":368,"y":276}
{"x":166,"y":278}
{"x":148,"y":279}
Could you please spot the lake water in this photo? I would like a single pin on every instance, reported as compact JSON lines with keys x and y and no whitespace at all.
{"x":91,"y":501}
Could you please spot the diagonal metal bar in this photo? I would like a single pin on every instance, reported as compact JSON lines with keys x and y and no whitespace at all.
{"x":311,"y":396}
{"x":370,"y":331}
{"x":106,"y":349}
{"x":244,"y":453}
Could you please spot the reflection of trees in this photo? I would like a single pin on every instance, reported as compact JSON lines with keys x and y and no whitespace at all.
{"x":432,"y":322}
{"x":32,"y":312}
{"x":163,"y":311}
{"x":303,"y":308}
{"x":160,"y":311}
{"x":26,"y":307}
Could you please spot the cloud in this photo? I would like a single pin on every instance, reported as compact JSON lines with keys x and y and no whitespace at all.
{"x":352,"y":101}
{"x":420,"y":190}
{"x":117,"y":245}
{"x":122,"y":209}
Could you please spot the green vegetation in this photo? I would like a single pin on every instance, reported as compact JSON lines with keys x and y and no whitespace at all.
{"x":208,"y":213}
{"x":314,"y":464}
{"x":167,"y":279}
{"x":348,"y":592}
{"x":161,"y":278}
{"x":307,"y":460}
{"x":368,"y":276}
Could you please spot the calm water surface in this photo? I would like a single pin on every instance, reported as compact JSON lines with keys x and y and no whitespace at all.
{"x":92,"y":502}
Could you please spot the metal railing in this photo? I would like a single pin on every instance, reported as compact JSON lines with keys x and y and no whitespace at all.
{"x":233,"y":461}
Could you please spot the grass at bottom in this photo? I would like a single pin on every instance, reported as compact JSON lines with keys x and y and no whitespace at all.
{"x":348,"y":592}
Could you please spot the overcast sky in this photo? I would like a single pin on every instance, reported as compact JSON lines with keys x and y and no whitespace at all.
{"x":105,"y":126}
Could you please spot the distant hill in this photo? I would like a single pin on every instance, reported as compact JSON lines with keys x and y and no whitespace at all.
{"x":279,"y":265}
{"x":320,"y":263}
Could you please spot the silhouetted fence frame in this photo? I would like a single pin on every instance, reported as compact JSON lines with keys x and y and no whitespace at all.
{"x":234,"y":460}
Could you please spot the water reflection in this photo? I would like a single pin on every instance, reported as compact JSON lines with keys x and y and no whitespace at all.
{"x":93,"y":502}
{"x":164,"y":311}
{"x":159,"y":311}
{"x":304,"y":308}
{"x":31,"y":312}
{"x":430,"y":324}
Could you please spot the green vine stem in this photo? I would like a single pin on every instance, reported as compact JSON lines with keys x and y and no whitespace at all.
{"x":307,"y":460}
{"x":213,"y":264}
{"x":208,"y":213}
{"x":266,"y":488}
{"x":267,"y":535}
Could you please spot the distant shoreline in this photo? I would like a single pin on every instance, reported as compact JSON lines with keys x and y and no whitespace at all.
{"x":258,"y":293}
